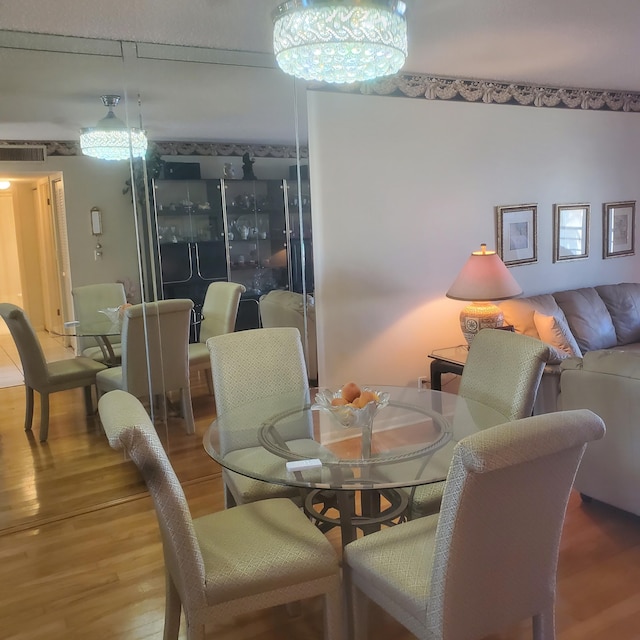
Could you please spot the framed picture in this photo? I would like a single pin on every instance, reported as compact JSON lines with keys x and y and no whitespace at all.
{"x":619,"y":231}
{"x":570,"y":231}
{"x":517,"y":231}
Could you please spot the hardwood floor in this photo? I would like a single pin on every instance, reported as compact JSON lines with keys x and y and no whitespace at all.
{"x":80,"y":553}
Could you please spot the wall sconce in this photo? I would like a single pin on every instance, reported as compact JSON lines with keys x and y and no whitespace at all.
{"x":96,"y":230}
{"x":483,"y":278}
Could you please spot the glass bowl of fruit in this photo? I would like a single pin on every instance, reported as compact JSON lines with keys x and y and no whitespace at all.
{"x":351,"y":405}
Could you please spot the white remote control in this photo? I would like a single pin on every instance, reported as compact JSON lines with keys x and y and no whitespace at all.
{"x":302,"y":465}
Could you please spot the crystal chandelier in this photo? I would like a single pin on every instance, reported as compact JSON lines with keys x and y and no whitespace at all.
{"x":340,"y":40}
{"x":110,"y":139}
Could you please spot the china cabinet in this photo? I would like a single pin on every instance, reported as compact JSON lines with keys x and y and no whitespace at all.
{"x":255,"y":232}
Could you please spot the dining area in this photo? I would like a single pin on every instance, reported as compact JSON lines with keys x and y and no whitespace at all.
{"x":297,"y":462}
{"x":124,"y":501}
{"x":323,"y":487}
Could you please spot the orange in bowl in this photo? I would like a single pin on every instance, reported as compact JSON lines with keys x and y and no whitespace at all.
{"x":350,"y":391}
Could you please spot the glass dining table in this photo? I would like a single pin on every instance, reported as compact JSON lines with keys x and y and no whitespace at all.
{"x":368,"y":470}
{"x":102,"y":330}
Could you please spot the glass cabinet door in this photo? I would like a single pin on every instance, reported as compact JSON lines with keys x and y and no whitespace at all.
{"x":188,"y":211}
{"x":298,"y":200}
{"x":256,"y":234}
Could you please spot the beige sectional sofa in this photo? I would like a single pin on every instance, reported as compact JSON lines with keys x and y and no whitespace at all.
{"x":596,"y":335}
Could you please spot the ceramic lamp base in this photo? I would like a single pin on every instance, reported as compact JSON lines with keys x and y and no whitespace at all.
{"x":477,"y":316}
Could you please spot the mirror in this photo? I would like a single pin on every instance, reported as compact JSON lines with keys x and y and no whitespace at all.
{"x":203,"y":105}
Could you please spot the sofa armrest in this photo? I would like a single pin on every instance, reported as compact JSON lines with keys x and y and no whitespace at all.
{"x":608,"y":383}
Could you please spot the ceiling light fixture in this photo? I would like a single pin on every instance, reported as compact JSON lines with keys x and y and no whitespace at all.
{"x":340,"y":41}
{"x":111,"y":139}
{"x":4,"y":184}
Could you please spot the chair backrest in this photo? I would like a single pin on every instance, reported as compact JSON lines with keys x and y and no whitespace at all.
{"x":256,"y":364}
{"x":498,"y":532}
{"x":128,"y":426}
{"x":280,"y":308}
{"x":503,"y":370}
{"x":155,"y":346}
{"x":220,"y":309}
{"x":34,"y":364}
{"x":89,"y":299}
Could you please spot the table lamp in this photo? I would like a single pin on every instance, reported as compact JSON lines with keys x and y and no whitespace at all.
{"x":483,"y":279}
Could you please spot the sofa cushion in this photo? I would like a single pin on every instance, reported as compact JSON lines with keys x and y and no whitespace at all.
{"x":624,"y":364}
{"x":588,"y":318}
{"x":555,"y":331}
{"x":519,"y":312}
{"x":623,"y":303}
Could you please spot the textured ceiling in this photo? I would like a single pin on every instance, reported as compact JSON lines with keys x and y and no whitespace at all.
{"x":573,"y":43}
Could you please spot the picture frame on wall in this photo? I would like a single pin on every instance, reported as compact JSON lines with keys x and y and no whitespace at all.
{"x":571,"y":231}
{"x":517,"y":233}
{"x":619,"y":221}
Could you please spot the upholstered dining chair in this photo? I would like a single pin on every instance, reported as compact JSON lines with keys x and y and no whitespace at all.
{"x":488,"y":560}
{"x":87,"y":302}
{"x":503,"y":370}
{"x":248,"y":366}
{"x":46,"y":377}
{"x":280,"y":308}
{"x":231,"y":562}
{"x":219,"y":313}
{"x":155,"y":339}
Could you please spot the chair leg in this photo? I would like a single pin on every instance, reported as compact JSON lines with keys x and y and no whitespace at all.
{"x":209,"y":376}
{"x":195,"y":632}
{"x":44,"y":416}
{"x":544,"y":627}
{"x":172,"y":610}
{"x":229,"y":500}
{"x":88,"y":401}
{"x":28,"y":413}
{"x":357,"y":604}
{"x":187,"y":410}
{"x":335,"y":622}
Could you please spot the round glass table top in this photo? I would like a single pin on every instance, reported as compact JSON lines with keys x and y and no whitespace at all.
{"x":285,"y":439}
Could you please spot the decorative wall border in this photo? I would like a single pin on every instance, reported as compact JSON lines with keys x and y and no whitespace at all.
{"x":432,"y":87}
{"x":72,"y":148}
{"x":404,"y":85}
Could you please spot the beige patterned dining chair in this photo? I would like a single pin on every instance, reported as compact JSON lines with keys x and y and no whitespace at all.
{"x":155,"y":340}
{"x":488,"y":560}
{"x":503,"y":370}
{"x":219,"y":313}
{"x":231,"y":562}
{"x":280,"y":308}
{"x":87,"y":302}
{"x":46,"y":377}
{"x":249,"y":366}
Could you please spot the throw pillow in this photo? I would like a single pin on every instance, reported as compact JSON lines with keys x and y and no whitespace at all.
{"x":555,"y":331}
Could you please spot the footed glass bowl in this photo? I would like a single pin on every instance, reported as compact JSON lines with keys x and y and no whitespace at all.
{"x":113,"y":313}
{"x":347,"y":414}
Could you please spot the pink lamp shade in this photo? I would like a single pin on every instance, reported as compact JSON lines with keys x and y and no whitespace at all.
{"x":483,"y":278}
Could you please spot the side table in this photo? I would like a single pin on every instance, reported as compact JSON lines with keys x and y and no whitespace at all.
{"x":447,"y":360}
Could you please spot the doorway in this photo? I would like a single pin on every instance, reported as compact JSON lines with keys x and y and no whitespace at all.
{"x":30,"y":248}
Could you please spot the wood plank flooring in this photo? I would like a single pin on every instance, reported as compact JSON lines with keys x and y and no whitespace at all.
{"x":80,"y":553}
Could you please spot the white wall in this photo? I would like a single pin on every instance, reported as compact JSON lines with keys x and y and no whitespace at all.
{"x":88,"y":183}
{"x":404,"y":189}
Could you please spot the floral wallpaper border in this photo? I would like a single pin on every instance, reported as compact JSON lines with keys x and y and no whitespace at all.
{"x":72,"y":148}
{"x":403,"y":85}
{"x":494,"y":92}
